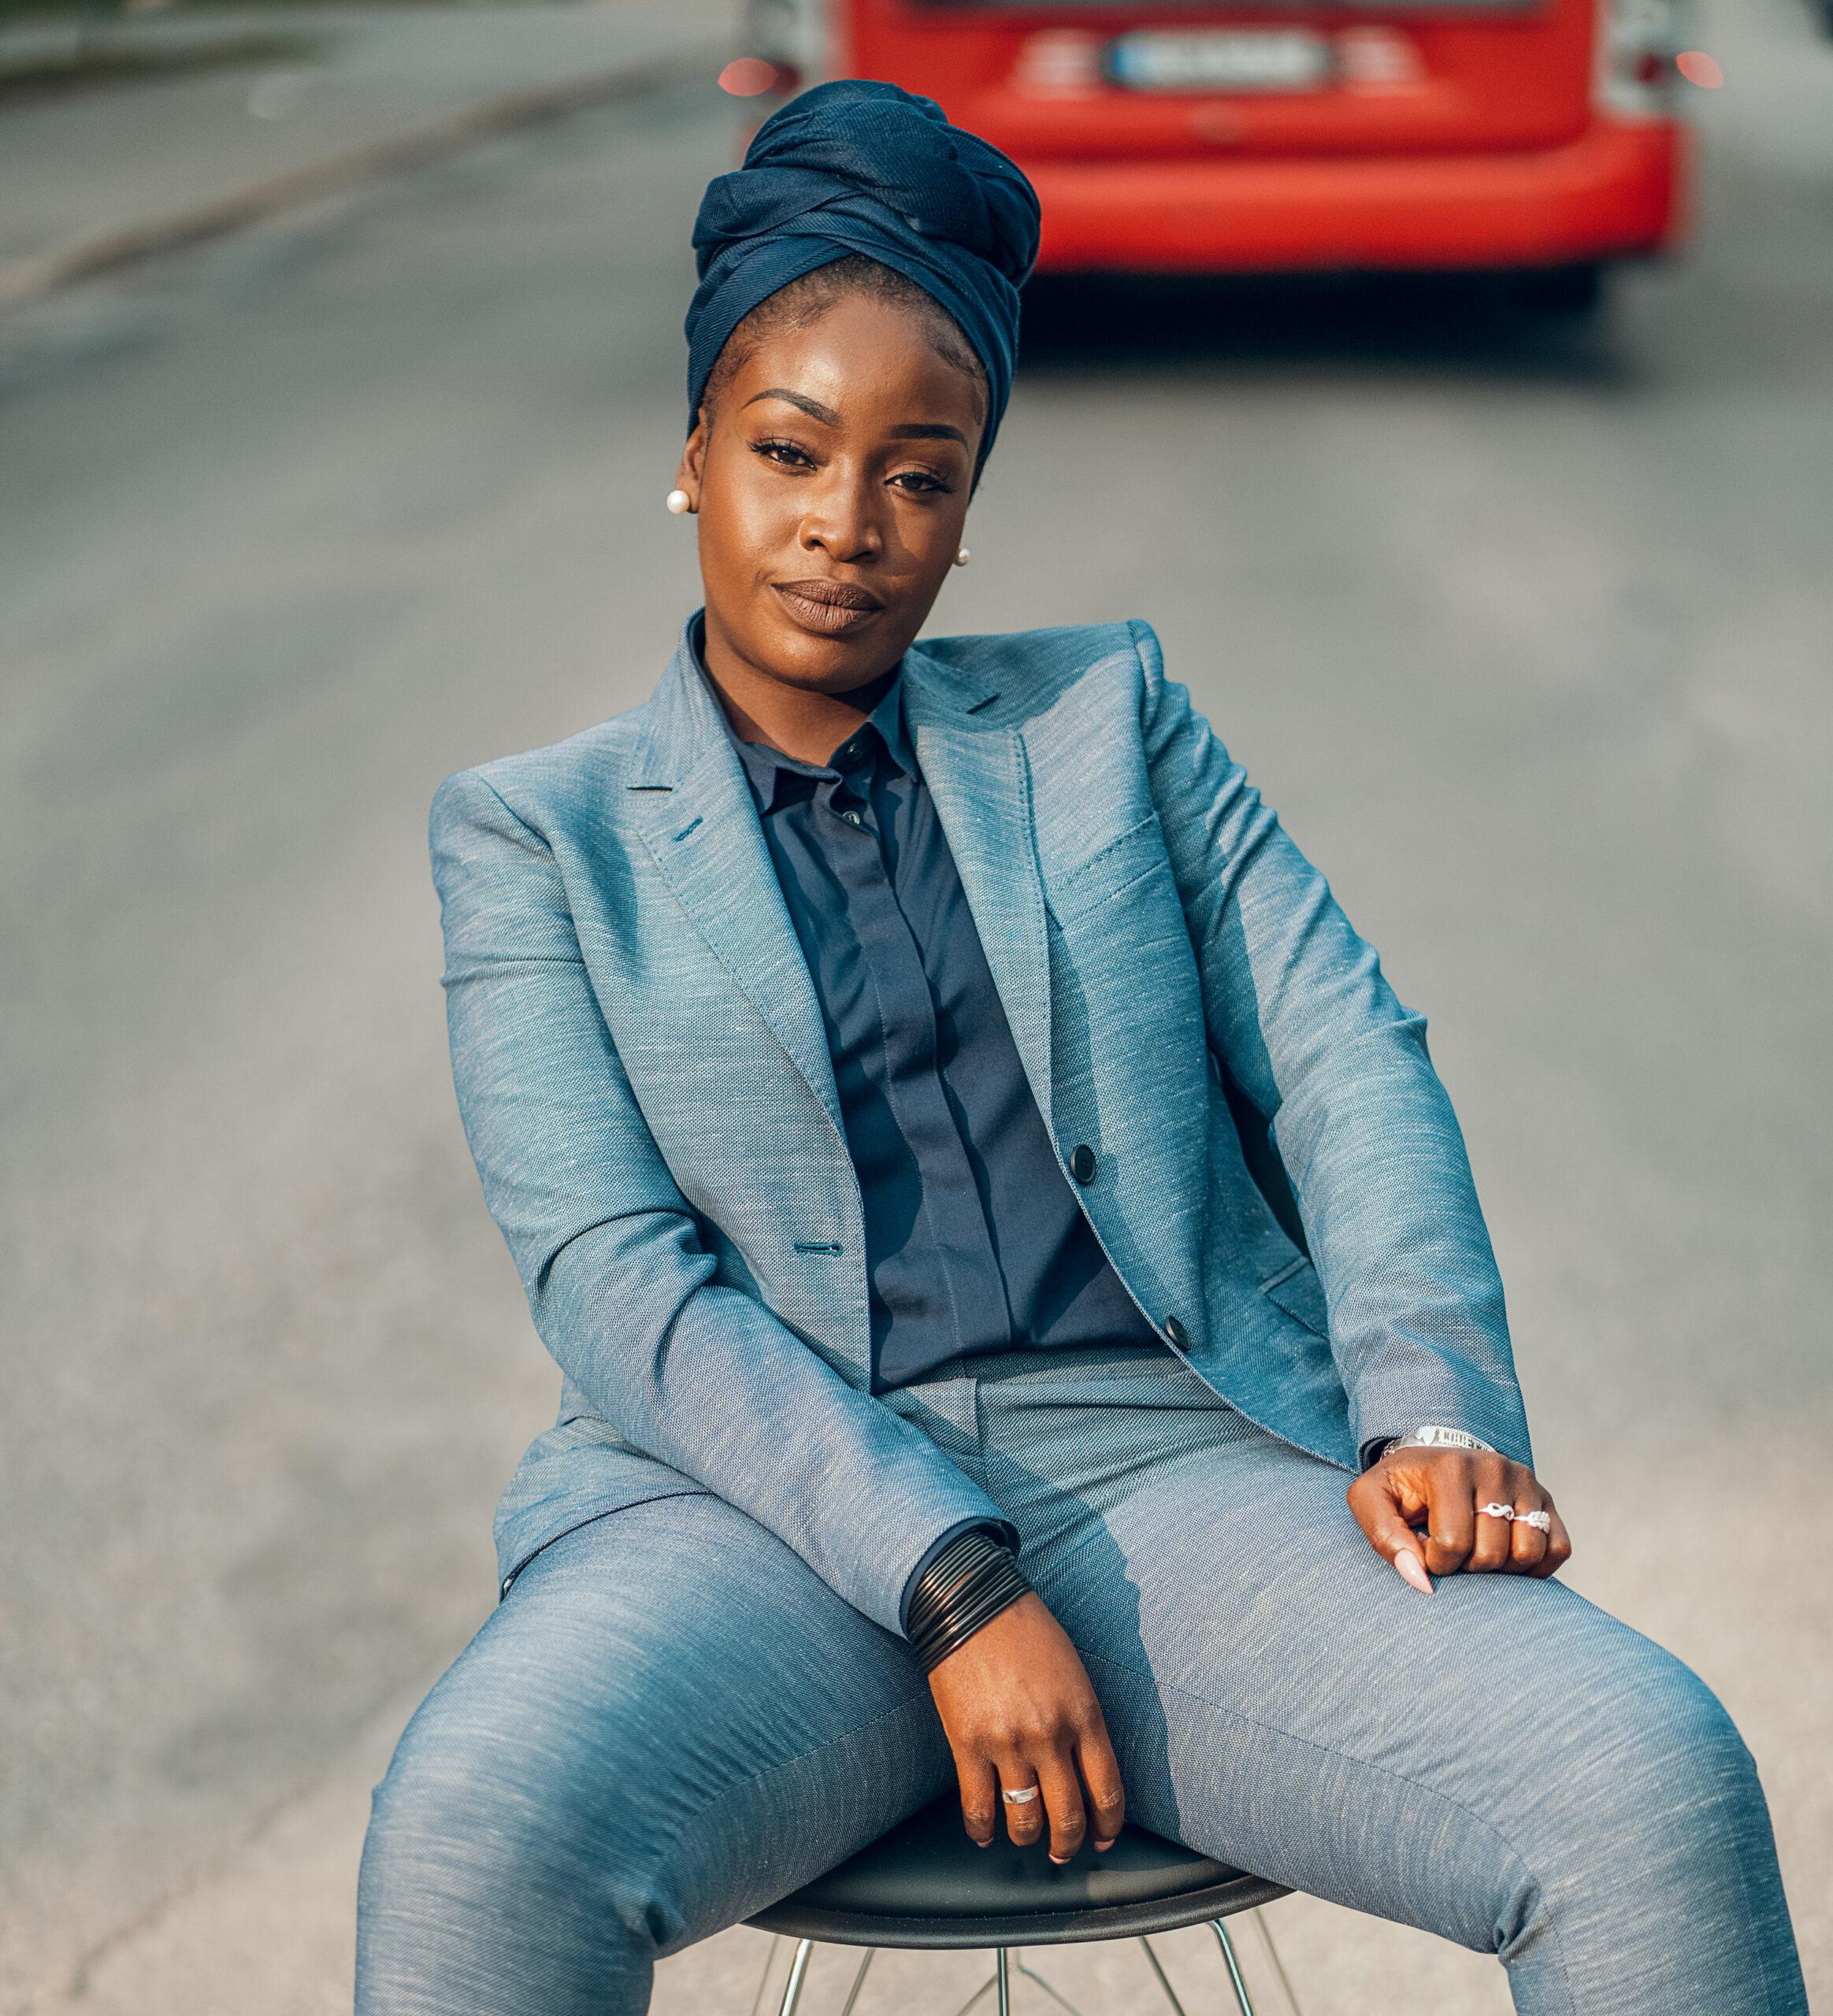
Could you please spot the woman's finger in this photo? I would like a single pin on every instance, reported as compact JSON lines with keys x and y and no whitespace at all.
{"x":1559,"y":1544}
{"x":1494,"y":1481}
{"x":1062,"y":1801}
{"x":1451,"y":1509}
{"x":980,"y":1799}
{"x":1527,"y":1543}
{"x":1100,"y":1770}
{"x":1024,"y":1817}
{"x":1380,"y":1500}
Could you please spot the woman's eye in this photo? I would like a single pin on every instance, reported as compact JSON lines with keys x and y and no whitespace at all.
{"x":921,"y":483}
{"x":790,"y":454}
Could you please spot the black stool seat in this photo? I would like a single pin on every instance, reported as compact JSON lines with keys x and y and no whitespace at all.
{"x":925,"y":1884}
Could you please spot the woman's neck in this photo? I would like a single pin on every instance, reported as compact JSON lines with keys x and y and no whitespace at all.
{"x":798,"y":721}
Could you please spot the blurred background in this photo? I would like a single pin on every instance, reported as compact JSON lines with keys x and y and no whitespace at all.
{"x":1455,"y":394}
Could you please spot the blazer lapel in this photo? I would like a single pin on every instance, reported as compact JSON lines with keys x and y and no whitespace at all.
{"x":980,"y":780}
{"x":981,"y":777}
{"x":687,"y":796}
{"x":694,"y":812}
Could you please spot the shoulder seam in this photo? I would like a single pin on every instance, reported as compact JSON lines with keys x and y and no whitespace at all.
{"x":475,"y":774}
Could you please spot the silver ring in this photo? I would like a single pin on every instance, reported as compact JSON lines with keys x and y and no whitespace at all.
{"x":1023,"y":1797}
{"x":1498,"y":1511}
{"x":1541,"y":1522}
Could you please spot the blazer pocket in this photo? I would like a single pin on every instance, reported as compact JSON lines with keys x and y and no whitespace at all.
{"x":1110,"y":871}
{"x":1301,"y":1294}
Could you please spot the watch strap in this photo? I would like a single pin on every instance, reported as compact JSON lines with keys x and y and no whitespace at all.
{"x":1432,"y":1436}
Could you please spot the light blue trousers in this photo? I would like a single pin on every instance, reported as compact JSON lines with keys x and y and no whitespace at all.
{"x":670,"y":1721}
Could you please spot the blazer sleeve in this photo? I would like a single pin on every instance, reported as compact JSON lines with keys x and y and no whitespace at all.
{"x":701,"y":1376}
{"x":1296,"y":1006}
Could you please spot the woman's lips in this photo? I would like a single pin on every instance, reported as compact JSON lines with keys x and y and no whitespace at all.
{"x":830,"y":609}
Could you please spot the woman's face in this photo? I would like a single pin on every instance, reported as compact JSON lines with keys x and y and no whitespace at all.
{"x":831,"y":487}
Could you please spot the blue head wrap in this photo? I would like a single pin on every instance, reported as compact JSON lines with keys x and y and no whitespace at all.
{"x":860,"y":166}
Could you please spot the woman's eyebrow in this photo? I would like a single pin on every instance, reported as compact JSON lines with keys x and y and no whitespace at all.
{"x":814,"y":409}
{"x":915,"y":430}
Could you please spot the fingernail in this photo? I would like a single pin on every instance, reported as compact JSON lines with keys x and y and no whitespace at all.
{"x":983,"y":1844}
{"x":1101,"y":1847}
{"x":1060,"y":1860}
{"x":1412,"y":1570}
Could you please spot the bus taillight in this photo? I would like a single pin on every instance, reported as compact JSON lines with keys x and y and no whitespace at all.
{"x":1637,"y":42}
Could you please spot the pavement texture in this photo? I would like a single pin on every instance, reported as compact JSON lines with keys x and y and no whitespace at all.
{"x":84,"y":177}
{"x":1526,"y":637}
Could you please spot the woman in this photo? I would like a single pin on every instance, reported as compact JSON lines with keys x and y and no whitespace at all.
{"x":850,"y":1041}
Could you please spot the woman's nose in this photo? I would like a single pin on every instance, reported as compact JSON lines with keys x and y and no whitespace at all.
{"x":842,"y":522}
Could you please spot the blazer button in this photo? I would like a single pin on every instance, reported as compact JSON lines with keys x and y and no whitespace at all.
{"x":1176,"y":1332}
{"x":1081,"y":1162}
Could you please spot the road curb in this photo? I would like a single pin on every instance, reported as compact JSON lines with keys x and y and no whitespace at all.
{"x":431,"y":141}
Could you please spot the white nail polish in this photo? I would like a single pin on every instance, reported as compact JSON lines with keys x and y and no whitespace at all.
{"x":1412,"y":1570}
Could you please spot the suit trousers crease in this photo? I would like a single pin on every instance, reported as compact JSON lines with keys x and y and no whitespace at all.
{"x":670,"y":1721}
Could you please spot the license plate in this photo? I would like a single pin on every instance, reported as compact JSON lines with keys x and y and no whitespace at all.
{"x":1218,"y":59}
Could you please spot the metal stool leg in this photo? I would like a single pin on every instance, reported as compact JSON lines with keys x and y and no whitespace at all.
{"x":1234,"y":1967}
{"x":798,"y":1973}
{"x":991,"y":1980}
{"x":1031,"y":1974}
{"x":858,"y":1981}
{"x":757,"y":2001}
{"x":1164,"y":1982}
{"x":1002,"y":1978}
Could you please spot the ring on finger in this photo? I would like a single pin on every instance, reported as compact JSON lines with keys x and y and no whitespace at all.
{"x":1023,"y":1795}
{"x":1496,"y":1510}
{"x":1541,"y":1522}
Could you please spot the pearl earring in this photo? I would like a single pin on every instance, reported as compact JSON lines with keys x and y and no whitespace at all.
{"x":678,"y":501}
{"x":963,"y":557}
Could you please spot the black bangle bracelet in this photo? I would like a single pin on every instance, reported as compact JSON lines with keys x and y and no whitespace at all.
{"x":942,"y":1581}
{"x":1004,"y":1587}
{"x":998,"y":1585}
{"x":969,"y":1583}
{"x":960,"y":1557}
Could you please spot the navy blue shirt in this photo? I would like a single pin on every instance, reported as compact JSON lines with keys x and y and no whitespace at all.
{"x":974,"y":1241}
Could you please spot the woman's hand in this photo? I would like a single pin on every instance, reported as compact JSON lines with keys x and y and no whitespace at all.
{"x":1442,"y":1493}
{"x":1018,"y":1709}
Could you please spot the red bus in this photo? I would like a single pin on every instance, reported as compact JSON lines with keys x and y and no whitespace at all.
{"x":1536,"y":136}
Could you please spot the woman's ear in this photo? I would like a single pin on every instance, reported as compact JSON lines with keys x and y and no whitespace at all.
{"x":687,"y":476}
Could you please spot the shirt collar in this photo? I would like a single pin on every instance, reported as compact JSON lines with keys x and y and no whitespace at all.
{"x":776,"y":779}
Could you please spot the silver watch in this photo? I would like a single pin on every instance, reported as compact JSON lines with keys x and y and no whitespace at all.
{"x":1441,"y":1438}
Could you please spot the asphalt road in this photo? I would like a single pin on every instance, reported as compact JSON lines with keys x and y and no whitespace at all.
{"x":1526,"y":637}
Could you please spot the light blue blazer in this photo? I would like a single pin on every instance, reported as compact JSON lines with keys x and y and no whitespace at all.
{"x":645,"y":1085}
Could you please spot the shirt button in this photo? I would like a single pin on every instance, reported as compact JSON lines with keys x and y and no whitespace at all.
{"x":1176,"y":1332}
{"x":1081,"y":1162}
{"x":852,"y":818}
